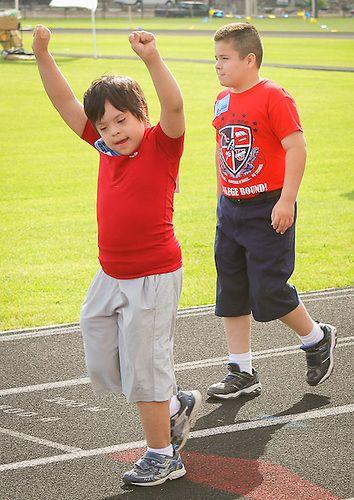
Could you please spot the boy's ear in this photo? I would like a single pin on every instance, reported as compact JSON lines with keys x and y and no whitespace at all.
{"x":251,"y":59}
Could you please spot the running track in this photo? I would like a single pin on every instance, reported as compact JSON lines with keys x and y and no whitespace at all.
{"x":291,"y":443}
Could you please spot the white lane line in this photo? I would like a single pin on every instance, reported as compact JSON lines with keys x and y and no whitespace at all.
{"x":304,"y":295}
{"x":22,"y":336}
{"x":45,"y":442}
{"x":331,"y":297}
{"x":189,"y":365}
{"x":63,"y":326}
{"x":278,"y":351}
{"x":210,"y":310}
{"x":269,"y":421}
{"x":310,"y":297}
{"x":45,"y":331}
{"x":45,"y":386}
{"x":251,"y":424}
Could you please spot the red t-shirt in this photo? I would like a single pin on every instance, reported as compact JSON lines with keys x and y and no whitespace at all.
{"x":135,"y":206}
{"x":249,"y":129}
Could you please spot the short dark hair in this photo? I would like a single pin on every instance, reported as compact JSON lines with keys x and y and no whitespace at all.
{"x":122,"y":92}
{"x":245,"y":38}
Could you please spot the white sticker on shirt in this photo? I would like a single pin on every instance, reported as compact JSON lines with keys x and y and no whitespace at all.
{"x":222,"y":105}
{"x":101,"y":146}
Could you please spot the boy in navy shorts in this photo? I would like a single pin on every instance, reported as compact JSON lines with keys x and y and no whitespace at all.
{"x":260,"y":157}
{"x":127,"y":319}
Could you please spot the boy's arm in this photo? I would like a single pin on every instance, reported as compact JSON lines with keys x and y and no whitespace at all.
{"x":218,"y":182}
{"x":283,"y":212}
{"x":168,"y":91}
{"x":55,"y":85}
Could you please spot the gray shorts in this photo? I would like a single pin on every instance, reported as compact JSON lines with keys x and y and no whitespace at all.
{"x":127,"y":328}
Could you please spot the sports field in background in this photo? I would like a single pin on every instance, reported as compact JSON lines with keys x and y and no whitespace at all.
{"x":48,"y":176}
{"x":323,"y":24}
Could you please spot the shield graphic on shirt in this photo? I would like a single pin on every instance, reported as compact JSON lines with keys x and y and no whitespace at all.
{"x":235,"y":146}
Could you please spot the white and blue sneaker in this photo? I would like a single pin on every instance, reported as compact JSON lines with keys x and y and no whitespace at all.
{"x":182,"y":422}
{"x":153,"y":469}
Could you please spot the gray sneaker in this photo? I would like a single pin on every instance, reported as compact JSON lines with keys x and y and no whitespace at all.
{"x":184,"y":420}
{"x":319,"y":357}
{"x":153,"y":469}
{"x":235,"y":384}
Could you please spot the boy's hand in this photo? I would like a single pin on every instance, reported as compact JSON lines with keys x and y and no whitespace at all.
{"x":143,"y":44}
{"x":282,"y":216}
{"x":41,"y":38}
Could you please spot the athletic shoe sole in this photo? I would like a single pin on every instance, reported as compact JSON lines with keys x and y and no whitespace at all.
{"x":190,"y":422}
{"x":331,"y":358}
{"x":172,"y":475}
{"x":255,"y":389}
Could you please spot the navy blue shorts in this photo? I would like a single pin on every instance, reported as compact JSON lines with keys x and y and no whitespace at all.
{"x":253,"y":262}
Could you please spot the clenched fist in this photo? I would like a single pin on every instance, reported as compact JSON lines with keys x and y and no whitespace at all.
{"x":144,"y":44}
{"x":41,"y":38}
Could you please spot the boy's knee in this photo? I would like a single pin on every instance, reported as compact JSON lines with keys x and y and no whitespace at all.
{"x":84,"y":322}
{"x":87,"y":320}
{"x":273,"y":302}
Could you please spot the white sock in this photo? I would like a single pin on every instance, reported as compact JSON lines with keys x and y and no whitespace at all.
{"x":163,"y":451}
{"x":315,"y":336}
{"x":175,"y":405}
{"x":243,"y":360}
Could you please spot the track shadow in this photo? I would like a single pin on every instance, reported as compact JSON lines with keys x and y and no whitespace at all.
{"x":206,"y":455}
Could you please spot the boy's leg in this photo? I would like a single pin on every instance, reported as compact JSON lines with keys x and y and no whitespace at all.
{"x":155,"y":420}
{"x":318,"y":341}
{"x":272,"y":297}
{"x":161,"y":461}
{"x":98,"y":322}
{"x":299,"y":320}
{"x":183,"y":410}
{"x":242,"y":378}
{"x":238,"y":333}
{"x":164,"y":423}
{"x":233,"y":305}
{"x":146,"y":339}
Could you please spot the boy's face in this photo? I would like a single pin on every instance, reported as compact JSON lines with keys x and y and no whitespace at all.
{"x":120,"y":130}
{"x":232,"y":71}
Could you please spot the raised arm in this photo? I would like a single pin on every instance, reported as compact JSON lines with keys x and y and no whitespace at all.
{"x":55,"y":85}
{"x":169,"y":94}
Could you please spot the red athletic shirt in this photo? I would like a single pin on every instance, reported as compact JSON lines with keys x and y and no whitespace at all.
{"x":249,"y":129}
{"x":135,"y":206}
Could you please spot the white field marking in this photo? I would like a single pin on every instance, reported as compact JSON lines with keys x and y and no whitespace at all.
{"x":210,"y":309}
{"x":44,"y":387}
{"x":74,"y":326}
{"x":30,"y":335}
{"x":267,"y":353}
{"x":44,"y":442}
{"x":244,"y":426}
{"x":46,"y":331}
{"x":189,"y":365}
{"x":63,"y":326}
{"x":331,"y":293}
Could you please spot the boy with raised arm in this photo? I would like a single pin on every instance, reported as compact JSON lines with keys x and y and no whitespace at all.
{"x":128,"y":317}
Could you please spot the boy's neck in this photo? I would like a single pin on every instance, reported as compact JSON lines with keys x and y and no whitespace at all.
{"x":247,"y":84}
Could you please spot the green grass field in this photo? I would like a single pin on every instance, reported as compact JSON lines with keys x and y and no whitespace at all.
{"x":279,"y":24}
{"x":48,"y":238}
{"x":277,"y":50}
